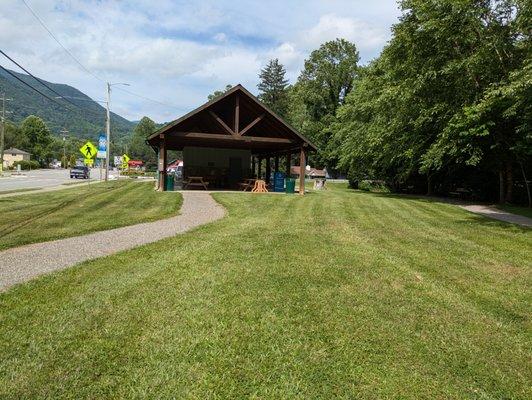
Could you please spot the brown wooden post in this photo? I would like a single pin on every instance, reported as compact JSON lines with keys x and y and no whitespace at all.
{"x":253,"y":175}
{"x":288,"y":162}
{"x":237,"y":114}
{"x":302,"y":165}
{"x":276,"y":164}
{"x":268,"y":170}
{"x":259,"y":168}
{"x":162,"y":163}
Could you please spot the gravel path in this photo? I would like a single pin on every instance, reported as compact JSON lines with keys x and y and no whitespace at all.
{"x":492,"y":212}
{"x":23,"y":263}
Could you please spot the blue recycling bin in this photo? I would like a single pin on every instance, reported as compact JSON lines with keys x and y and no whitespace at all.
{"x":278,"y":182}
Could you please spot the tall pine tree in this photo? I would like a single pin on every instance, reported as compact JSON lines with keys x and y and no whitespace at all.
{"x":273,"y":87}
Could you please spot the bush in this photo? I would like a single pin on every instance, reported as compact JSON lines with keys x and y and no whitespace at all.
{"x":25,"y":165}
{"x":373,"y":186}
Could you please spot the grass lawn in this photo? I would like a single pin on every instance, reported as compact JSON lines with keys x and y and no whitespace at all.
{"x":339,"y":294}
{"x":19,"y":190}
{"x":526,"y":211}
{"x":70,"y":212}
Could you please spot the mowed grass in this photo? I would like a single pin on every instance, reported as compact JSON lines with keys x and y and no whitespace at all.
{"x":338,"y":294}
{"x":525,"y":211}
{"x":46,"y":216}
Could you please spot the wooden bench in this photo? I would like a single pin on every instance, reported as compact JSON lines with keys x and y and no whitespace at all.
{"x":195,"y":181}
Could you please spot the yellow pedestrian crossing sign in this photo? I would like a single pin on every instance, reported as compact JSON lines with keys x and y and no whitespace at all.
{"x":125,"y":160}
{"x":88,"y":150}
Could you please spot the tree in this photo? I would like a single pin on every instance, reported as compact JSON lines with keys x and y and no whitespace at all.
{"x":273,"y":87}
{"x":321,"y":88}
{"x":14,"y":137}
{"x":138,"y":148}
{"x":218,"y":93}
{"x":72,"y":160}
{"x":445,"y":100}
{"x":38,"y":136}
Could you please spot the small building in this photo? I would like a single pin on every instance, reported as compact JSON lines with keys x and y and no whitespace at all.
{"x":135,"y":164}
{"x":312,"y":173}
{"x":12,"y":155}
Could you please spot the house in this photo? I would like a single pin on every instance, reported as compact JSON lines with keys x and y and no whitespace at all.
{"x":312,"y":173}
{"x":11,"y":155}
{"x":227,"y":140}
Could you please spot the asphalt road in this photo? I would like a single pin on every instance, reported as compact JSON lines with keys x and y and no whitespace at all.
{"x":41,"y":178}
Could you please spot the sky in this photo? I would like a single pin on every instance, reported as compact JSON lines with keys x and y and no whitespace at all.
{"x":178,"y":52}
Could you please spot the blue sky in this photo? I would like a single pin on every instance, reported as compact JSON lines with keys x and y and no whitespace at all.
{"x":178,"y":52}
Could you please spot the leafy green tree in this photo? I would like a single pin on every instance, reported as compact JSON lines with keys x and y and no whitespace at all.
{"x":38,"y":136}
{"x":445,"y":99}
{"x":14,"y":137}
{"x":138,"y":148}
{"x":218,"y":93}
{"x":72,"y":160}
{"x":321,"y":88}
{"x":273,"y":87}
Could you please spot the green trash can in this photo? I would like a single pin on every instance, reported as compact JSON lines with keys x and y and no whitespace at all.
{"x":290,"y":184}
{"x":169,"y":183}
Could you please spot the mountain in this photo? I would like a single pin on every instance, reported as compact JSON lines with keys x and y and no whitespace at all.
{"x":84,"y":120}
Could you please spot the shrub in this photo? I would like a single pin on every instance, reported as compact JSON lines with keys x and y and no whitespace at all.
{"x":373,"y":186}
{"x":25,"y":165}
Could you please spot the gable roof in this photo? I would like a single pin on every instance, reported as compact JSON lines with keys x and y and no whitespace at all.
{"x":240,"y":91}
{"x":14,"y":150}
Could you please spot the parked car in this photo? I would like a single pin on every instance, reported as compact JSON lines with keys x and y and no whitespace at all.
{"x":80,"y":171}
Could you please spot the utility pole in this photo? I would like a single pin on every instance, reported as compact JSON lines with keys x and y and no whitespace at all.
{"x":2,"y":134}
{"x":64,"y":133}
{"x":108,"y":133}
{"x":108,"y":128}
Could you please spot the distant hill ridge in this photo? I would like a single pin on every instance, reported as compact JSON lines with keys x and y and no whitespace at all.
{"x":82,"y":122}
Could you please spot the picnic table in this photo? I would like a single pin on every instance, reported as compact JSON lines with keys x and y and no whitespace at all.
{"x":247,"y":184}
{"x":195,"y":181}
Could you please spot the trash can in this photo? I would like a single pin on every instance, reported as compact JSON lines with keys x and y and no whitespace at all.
{"x":169,"y":183}
{"x":290,"y":185}
{"x":278,"y":182}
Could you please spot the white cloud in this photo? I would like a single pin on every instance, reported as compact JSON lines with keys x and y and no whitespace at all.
{"x":179,"y":52}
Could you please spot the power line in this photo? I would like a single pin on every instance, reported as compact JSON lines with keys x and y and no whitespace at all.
{"x":59,"y":43}
{"x":31,"y":87}
{"x":85,"y":68}
{"x":147,"y":98}
{"x":37,"y":79}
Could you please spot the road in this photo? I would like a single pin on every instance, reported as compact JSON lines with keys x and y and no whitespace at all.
{"x":40,"y":178}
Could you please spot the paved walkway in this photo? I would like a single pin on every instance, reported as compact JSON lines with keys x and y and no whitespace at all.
{"x":23,"y":263}
{"x":495,"y":213}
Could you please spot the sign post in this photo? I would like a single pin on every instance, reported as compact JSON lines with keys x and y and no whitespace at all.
{"x":89,"y":152}
{"x":125,"y":161}
{"x":102,"y":151}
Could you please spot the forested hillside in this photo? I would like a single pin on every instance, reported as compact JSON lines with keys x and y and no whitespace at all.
{"x":84,"y":121}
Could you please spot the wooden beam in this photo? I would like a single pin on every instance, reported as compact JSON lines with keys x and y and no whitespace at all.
{"x":222,"y":136}
{"x":222,"y":123}
{"x":276,"y":164}
{"x":288,"y":162}
{"x":162,"y":164}
{"x":253,"y":167}
{"x":252,"y":124}
{"x":302,"y":165}
{"x":237,"y":114}
{"x":268,"y":170}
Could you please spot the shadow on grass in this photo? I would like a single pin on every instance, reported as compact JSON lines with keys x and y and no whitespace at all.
{"x":471,"y":216}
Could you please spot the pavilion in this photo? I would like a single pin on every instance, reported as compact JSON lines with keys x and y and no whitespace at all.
{"x":226,"y":140}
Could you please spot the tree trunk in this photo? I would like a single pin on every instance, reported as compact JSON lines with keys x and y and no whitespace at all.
{"x":509,"y":182}
{"x":526,"y":185}
{"x":501,"y":185}
{"x":430,"y":188}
